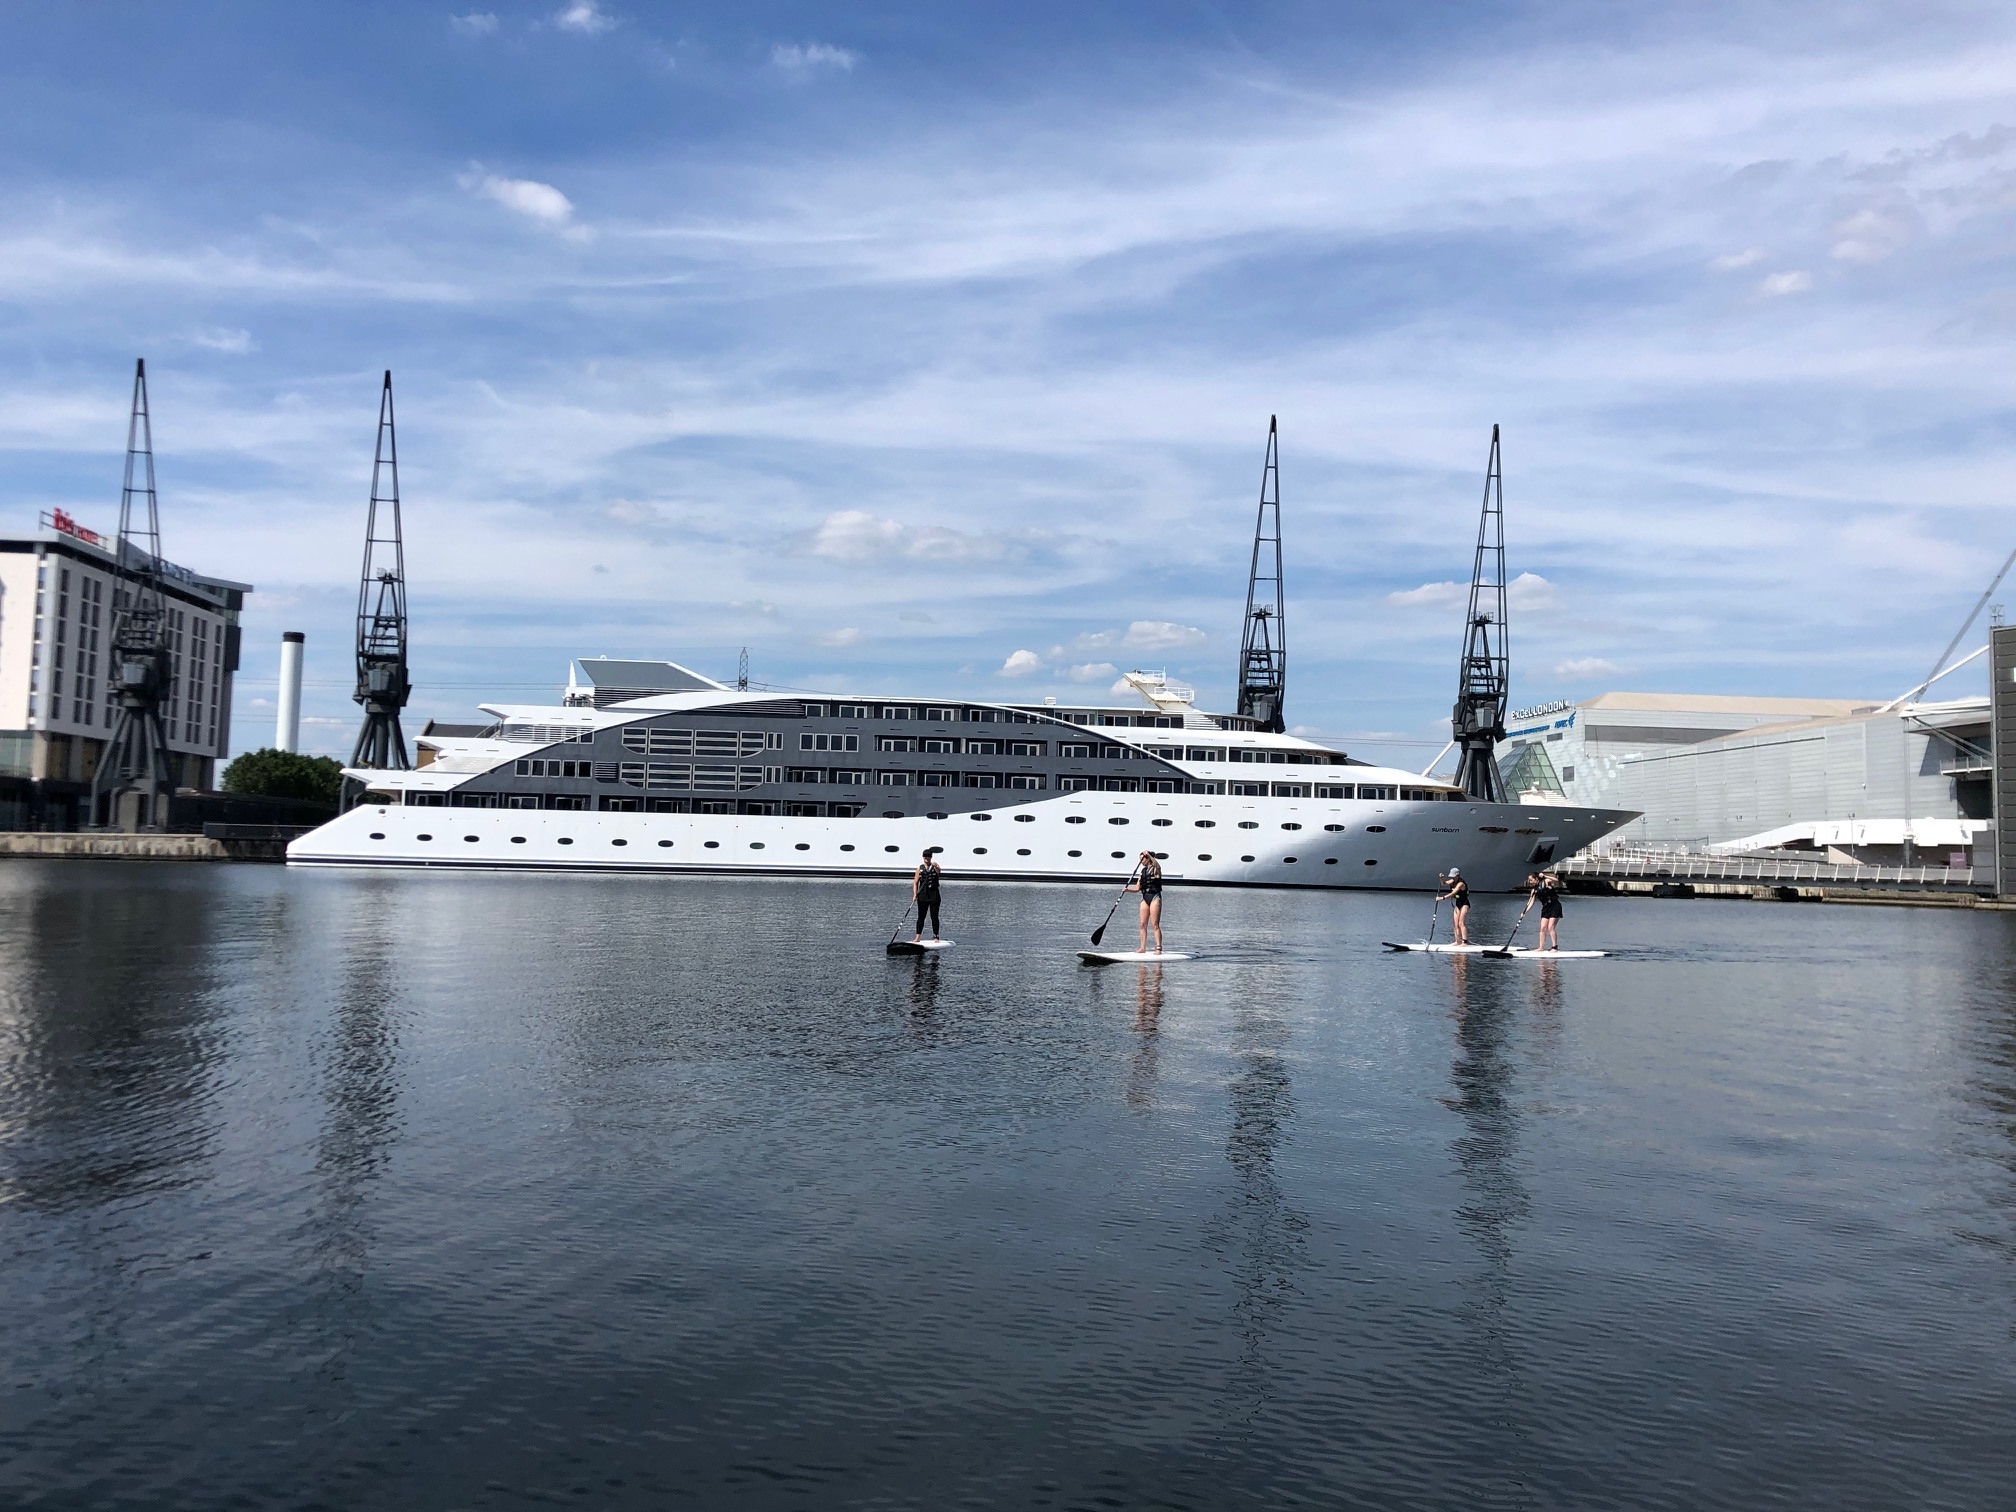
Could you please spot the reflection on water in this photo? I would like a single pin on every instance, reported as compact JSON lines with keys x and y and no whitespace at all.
{"x":355,"y":1190}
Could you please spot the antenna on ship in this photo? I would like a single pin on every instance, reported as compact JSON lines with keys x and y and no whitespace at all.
{"x":382,"y":681}
{"x":1484,"y":678}
{"x":136,"y":759}
{"x":742,"y":671}
{"x":1263,"y":646}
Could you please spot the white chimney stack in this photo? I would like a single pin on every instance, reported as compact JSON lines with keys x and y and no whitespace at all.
{"x":288,"y":735}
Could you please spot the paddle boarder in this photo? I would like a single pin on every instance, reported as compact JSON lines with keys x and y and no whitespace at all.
{"x":1458,"y":899}
{"x":924,"y":893}
{"x":1546,"y":890}
{"x":1148,"y":882}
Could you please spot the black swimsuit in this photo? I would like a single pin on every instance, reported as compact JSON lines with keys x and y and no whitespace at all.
{"x":1151,"y":885}
{"x":1550,"y":900}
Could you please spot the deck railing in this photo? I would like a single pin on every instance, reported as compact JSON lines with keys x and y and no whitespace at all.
{"x":1650,"y":864}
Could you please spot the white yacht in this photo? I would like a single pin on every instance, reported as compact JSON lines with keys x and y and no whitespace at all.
{"x":651,"y":767}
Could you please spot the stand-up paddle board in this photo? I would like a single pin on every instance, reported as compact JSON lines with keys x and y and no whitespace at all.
{"x":1525,"y":954}
{"x":917,"y":947}
{"x":1441,"y":949}
{"x":1115,"y":957}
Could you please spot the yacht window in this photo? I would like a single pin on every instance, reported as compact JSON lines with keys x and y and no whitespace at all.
{"x":1206,"y":823}
{"x":1248,"y":824}
{"x":1025,"y":818}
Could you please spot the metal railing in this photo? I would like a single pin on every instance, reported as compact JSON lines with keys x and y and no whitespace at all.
{"x":1692,"y":866}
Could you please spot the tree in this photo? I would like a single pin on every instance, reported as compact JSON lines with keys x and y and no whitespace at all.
{"x":285,"y":774}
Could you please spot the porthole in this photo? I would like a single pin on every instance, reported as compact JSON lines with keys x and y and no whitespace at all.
{"x":1203,"y":858}
{"x":1371,"y":863}
{"x":755,"y":845}
{"x":377,"y":834}
{"x":423,"y":837}
{"x":1207,"y":823}
{"x":1161,"y":855}
{"x":1025,"y":818}
{"x":802,"y":846}
{"x":979,"y":850}
{"x":715,"y":845}
{"x":1245,"y":858}
{"x":1116,"y":820}
{"x":1329,"y":860}
{"x":469,"y":839}
{"x":1074,"y":818}
{"x":619,"y":842}
{"x":565,"y":841}
{"x":520,"y":840}
{"x":1161,"y":823}
{"x":664,"y":845}
{"x":980,"y":818}
{"x":1291,"y":826}
{"x":846,"y":847}
{"x":1119,"y":855}
{"x":892,"y":813}
{"x":937,"y":816}
{"x":889,"y":848}
{"x":1334,"y":829}
{"x":1021,"y":853}
{"x":1074,"y":853}
{"x":1287,"y":860}
{"x":1375,"y":829}
{"x":1248,"y":824}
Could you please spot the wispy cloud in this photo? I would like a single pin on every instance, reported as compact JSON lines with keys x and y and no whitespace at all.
{"x":1797,"y":281}
{"x":1585,"y":669}
{"x":812,"y":57}
{"x":475,"y":24}
{"x":527,"y":197}
{"x":223,"y":339}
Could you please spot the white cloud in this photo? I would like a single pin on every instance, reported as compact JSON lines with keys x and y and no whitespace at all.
{"x":805,"y":58}
{"x":848,"y":637}
{"x":223,"y":339}
{"x":855,"y":535}
{"x":1091,"y":672}
{"x":527,"y":197}
{"x":1529,"y":590}
{"x":583,"y":16}
{"x":1021,"y":664}
{"x":1748,"y":257}
{"x":1435,"y":595}
{"x":1121,"y":685}
{"x":1795,"y":282}
{"x":1162,"y":635}
{"x":1585,"y":668}
{"x":261,"y":703}
{"x":918,"y":617}
{"x":475,"y":24}
{"x":754,"y":606}
{"x":1875,"y":232}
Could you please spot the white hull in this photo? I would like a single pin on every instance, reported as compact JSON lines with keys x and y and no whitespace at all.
{"x":1376,"y":844}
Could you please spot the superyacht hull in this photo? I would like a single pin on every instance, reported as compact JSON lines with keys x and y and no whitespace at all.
{"x":1207,"y":840}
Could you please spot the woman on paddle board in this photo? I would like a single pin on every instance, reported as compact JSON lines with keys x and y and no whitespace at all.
{"x":1148,"y":882}
{"x":1546,"y":890}
{"x":924,"y":893}
{"x":1458,"y":899}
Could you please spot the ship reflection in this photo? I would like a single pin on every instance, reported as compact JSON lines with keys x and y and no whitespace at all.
{"x":359,"y":1089}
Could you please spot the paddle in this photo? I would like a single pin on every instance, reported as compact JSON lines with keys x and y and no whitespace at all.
{"x":1100,"y":933}
{"x":1434,"y":915}
{"x":1506,"y":949}
{"x":904,"y":947}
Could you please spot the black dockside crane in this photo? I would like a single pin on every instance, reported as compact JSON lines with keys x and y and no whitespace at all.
{"x":1263,"y":645}
{"x":383,"y":684}
{"x":1484,"y":679}
{"x":135,"y":778}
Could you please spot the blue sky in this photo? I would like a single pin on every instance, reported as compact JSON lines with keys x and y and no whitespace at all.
{"x":893,"y":341}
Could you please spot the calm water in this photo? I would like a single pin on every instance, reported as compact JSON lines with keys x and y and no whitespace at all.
{"x":325,"y":1190}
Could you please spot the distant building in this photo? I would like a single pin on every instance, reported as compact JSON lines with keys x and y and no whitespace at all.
{"x":1843,"y":776}
{"x":57,"y":592}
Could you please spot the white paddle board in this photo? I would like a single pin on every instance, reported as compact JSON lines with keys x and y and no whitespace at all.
{"x":1114,"y":957}
{"x":917,"y":947}
{"x":1558,"y":955}
{"x":1441,"y":949}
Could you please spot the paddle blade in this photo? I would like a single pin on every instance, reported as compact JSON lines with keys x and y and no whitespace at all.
{"x":1099,"y":933}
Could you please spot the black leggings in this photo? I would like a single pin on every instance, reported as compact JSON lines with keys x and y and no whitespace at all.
{"x":927,"y":906}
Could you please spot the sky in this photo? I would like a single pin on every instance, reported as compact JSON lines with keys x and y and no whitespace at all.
{"x":931,"y":349}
